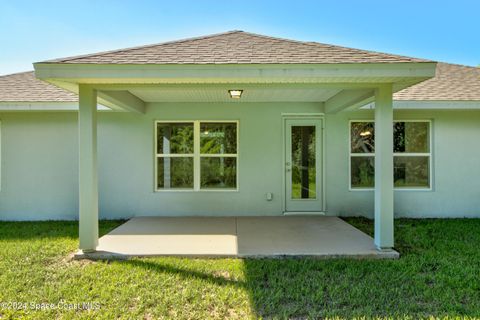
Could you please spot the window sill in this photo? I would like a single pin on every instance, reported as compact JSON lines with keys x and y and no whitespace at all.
{"x":196,"y":191}
{"x":394,"y":189}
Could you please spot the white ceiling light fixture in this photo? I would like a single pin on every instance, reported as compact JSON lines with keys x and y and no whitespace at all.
{"x":235,"y":94}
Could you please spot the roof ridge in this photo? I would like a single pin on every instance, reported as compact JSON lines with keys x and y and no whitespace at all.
{"x":315,"y":43}
{"x":275,"y":38}
{"x":370,"y":51}
{"x":142,"y":46}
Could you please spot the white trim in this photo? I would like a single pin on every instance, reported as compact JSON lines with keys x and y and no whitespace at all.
{"x":431,"y":105}
{"x":175,"y":155}
{"x":395,"y":154}
{"x":303,"y":116}
{"x":402,"y":74}
{"x":44,"y":106}
{"x":324,"y":165}
{"x":196,"y":155}
{"x":1,"y":156}
{"x":304,"y":213}
{"x":350,"y":155}
{"x":438,"y":105}
{"x":218,"y":155}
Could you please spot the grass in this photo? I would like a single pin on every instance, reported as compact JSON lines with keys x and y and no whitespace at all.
{"x":297,"y":190}
{"x":438,"y":275}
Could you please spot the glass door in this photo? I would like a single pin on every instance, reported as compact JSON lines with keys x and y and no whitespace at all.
{"x":303,"y":165}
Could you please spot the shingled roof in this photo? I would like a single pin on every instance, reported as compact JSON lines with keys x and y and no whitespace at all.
{"x":24,"y":87}
{"x":237,"y":47}
{"x":452,"y":82}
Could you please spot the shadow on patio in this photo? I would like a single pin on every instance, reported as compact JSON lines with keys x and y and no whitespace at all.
{"x":315,"y":236}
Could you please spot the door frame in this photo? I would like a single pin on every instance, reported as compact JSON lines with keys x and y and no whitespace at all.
{"x":303,"y":116}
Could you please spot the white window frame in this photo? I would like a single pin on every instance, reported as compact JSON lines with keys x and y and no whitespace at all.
{"x":196,"y":155}
{"x":0,"y":155}
{"x":395,"y":154}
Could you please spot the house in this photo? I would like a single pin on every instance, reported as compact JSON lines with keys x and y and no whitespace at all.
{"x":240,"y":124}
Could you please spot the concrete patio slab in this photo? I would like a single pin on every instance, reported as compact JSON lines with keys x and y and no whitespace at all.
{"x":315,"y":236}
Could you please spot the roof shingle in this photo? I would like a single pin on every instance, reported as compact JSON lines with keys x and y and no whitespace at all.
{"x":237,"y":47}
{"x":24,"y":87}
{"x":452,"y":82}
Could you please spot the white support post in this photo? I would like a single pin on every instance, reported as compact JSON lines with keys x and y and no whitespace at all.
{"x":88,"y":181}
{"x":384,"y":168}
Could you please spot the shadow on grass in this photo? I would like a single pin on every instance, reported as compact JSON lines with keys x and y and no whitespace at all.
{"x":26,"y":230}
{"x":437,"y":276}
{"x":185,"y":274}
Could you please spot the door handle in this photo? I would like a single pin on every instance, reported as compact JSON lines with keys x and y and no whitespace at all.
{"x":288,"y":166}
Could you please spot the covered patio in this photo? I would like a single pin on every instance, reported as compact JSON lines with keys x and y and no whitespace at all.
{"x":242,"y":237}
{"x":331,"y":79}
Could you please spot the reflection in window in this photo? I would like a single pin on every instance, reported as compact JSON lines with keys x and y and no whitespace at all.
{"x":411,"y":137}
{"x":411,"y":171}
{"x":174,"y":138}
{"x":303,"y":162}
{"x":362,"y":137}
{"x":218,"y":155}
{"x":175,"y":172}
{"x":362,"y":154}
{"x":411,"y":150}
{"x":218,"y":173}
{"x":196,"y":155}
{"x":218,"y":138}
{"x":362,"y":172}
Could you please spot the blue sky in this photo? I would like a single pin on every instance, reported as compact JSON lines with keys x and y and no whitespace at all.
{"x":36,"y":30}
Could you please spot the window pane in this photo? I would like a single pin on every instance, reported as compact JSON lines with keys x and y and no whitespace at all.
{"x":175,"y":173}
{"x":362,"y":137}
{"x":411,"y":172}
{"x":363,"y":172}
{"x":218,"y":173}
{"x":411,"y":137}
{"x":218,"y":138}
{"x":303,"y":162}
{"x":175,"y":138}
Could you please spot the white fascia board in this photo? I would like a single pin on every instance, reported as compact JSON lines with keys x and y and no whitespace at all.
{"x":235,"y":73}
{"x":44,"y":106}
{"x":426,"y":104}
{"x":430,"y":105}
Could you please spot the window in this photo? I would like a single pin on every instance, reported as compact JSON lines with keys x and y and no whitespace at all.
{"x":196,"y":155}
{"x":411,"y":154}
{"x":362,"y":154}
{"x":411,"y":147}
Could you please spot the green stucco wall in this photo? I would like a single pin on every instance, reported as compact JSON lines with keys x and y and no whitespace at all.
{"x":39,"y":164}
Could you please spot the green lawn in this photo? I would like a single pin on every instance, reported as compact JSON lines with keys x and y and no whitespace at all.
{"x":297,"y":191}
{"x":438,"y":275}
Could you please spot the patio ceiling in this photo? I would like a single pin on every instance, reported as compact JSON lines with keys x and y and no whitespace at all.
{"x":128,"y":88}
{"x":220,"y":94}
